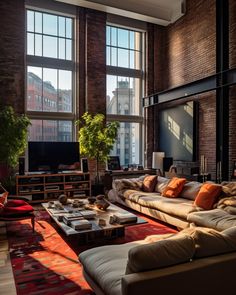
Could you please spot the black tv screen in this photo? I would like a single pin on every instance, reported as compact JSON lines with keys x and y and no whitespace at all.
{"x":177,"y":131}
{"x":53,"y":156}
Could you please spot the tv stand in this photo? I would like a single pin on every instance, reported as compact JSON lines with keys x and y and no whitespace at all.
{"x":43,"y":187}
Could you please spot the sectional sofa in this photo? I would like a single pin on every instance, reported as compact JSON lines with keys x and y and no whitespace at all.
{"x":179,"y":211}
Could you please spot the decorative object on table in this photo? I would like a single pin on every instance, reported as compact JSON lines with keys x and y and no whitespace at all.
{"x":91,"y":200}
{"x":63,"y":199}
{"x":50,"y":204}
{"x":80,"y":224}
{"x":101,"y":203}
{"x":102,"y":222}
{"x":157,"y":162}
{"x":121,"y":218}
{"x":203,"y":167}
{"x":77,"y":203}
{"x":59,"y":206}
{"x":96,"y":138}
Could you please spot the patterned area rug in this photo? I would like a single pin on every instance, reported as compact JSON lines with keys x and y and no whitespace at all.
{"x":46,"y":262}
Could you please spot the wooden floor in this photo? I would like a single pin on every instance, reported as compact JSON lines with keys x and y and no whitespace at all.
{"x":7,"y":283}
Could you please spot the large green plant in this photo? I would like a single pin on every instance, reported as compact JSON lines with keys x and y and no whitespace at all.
{"x":96,"y":138}
{"x":13,"y":135}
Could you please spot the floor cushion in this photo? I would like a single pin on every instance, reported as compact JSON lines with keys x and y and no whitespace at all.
{"x":16,"y":207}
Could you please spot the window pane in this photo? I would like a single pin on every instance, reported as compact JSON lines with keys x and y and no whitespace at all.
{"x":108,"y":56}
{"x":62,"y":26}
{"x":49,"y":24}
{"x":34,"y":89}
{"x":114,"y":56}
{"x":50,"y":90}
{"x":68,"y":49}
{"x":123,"y":58}
{"x":65,"y":92}
{"x":68,"y":27}
{"x":38,"y":45}
{"x":50,"y":130}
{"x":131,"y":39}
{"x":113,"y":36}
{"x":108,"y":36}
{"x":127,"y":145}
{"x":123,"y":40}
{"x":62,"y":50}
{"x":30,"y":43}
{"x":30,"y":21}
{"x":123,"y":95}
{"x":38,"y":22}
{"x":50,"y":46}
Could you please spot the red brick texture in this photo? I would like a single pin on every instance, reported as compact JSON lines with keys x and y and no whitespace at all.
{"x":12,"y":53}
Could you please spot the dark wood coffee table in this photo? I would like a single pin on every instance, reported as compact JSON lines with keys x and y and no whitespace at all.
{"x":97,"y":232}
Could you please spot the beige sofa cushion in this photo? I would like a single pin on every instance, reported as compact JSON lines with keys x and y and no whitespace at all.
{"x":216,"y":218}
{"x":210,"y":242}
{"x":177,"y":249}
{"x":190,"y":190}
{"x":162,"y":183}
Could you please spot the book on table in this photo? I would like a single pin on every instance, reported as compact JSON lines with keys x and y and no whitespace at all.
{"x":124,"y":217}
{"x":68,"y":218}
{"x":80,"y":224}
{"x":88,"y":214}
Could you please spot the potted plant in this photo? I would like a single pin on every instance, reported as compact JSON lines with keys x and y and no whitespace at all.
{"x":13,"y":138}
{"x":96,"y":138}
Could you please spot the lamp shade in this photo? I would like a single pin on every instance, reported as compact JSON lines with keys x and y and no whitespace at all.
{"x":157,"y":160}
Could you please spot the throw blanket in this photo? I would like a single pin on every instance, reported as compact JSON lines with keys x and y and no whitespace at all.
{"x":228,"y":198}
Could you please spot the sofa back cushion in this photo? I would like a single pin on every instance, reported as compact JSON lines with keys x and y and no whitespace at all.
{"x":174,"y":187}
{"x":210,"y":242}
{"x":162,"y":183}
{"x":207,"y":196}
{"x":190,"y":190}
{"x":149,"y":183}
{"x":174,"y":250}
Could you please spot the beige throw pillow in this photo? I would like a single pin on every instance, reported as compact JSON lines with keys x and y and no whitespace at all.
{"x":190,"y":190}
{"x":162,"y":183}
{"x":174,"y":250}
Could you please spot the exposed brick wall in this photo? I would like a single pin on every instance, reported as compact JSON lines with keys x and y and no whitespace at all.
{"x":12,"y":53}
{"x":96,"y":61}
{"x":232,"y":129}
{"x":232,"y":33}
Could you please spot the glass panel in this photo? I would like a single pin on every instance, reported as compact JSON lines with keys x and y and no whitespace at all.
{"x":50,"y":130}
{"x":50,"y":46}
{"x":113,"y":36}
{"x":68,"y":27}
{"x":30,"y":21}
{"x":38,"y":22}
{"x":108,"y":36}
{"x":34,"y":89}
{"x":127,"y":145}
{"x":49,"y":24}
{"x":50,"y":90}
{"x":113,"y":56}
{"x":108,"y":56}
{"x":65,"y":91}
{"x":30,"y":43}
{"x":62,"y":26}
{"x":38,"y":45}
{"x":123,"y":58}
{"x":131,"y":40}
{"x":131,"y":59}
{"x":68,"y":49}
{"x":123,"y":40}
{"x":62,"y":50}
{"x":123,"y":95}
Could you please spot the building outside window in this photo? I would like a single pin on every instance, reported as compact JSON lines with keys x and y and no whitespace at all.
{"x":125,"y":72}
{"x":50,"y":76}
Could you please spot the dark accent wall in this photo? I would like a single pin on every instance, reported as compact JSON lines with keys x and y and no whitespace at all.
{"x":12,"y":53}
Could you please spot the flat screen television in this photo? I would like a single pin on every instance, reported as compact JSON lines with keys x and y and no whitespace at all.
{"x":177,"y":131}
{"x":53,"y":156}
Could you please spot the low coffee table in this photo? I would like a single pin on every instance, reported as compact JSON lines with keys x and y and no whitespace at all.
{"x":97,"y":231}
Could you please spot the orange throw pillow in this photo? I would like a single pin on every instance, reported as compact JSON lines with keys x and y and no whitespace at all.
{"x":174,"y":187}
{"x":207,"y":196}
{"x":149,"y":183}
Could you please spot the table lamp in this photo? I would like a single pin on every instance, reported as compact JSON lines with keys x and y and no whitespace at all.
{"x":157,"y":161}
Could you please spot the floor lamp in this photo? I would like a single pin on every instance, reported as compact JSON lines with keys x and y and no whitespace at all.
{"x":157,"y":162}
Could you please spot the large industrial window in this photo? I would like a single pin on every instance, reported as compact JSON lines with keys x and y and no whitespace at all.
{"x":125,"y":72}
{"x":50,"y":59}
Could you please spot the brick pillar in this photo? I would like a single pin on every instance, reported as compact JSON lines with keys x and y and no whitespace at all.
{"x":12,"y":53}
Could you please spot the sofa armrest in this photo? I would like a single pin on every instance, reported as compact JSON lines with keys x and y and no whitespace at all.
{"x":212,"y":275}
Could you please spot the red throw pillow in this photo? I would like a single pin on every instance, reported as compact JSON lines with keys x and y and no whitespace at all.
{"x":174,"y":187}
{"x":15,"y":203}
{"x":3,"y":198}
{"x":149,"y":183}
{"x":20,"y":210}
{"x":207,"y":196}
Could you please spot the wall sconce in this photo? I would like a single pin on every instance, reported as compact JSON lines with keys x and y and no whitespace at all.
{"x":157,"y":161}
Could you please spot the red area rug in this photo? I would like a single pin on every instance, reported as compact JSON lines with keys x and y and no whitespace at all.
{"x":46,"y":263}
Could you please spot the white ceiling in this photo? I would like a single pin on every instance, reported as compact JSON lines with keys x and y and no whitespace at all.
{"x":162,"y":12}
